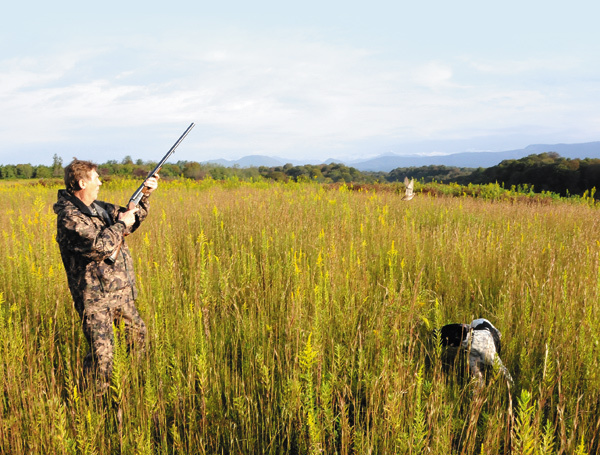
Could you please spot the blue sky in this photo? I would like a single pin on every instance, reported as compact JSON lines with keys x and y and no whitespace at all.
{"x":311,"y":80}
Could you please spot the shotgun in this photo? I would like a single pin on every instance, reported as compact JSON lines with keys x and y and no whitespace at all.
{"x":139,"y":193}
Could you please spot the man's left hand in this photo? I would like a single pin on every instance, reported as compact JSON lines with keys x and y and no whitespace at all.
{"x":152,"y":183}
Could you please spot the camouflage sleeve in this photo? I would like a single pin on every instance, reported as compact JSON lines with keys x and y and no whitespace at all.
{"x":140,"y":216}
{"x":85,"y":238}
{"x":143,"y":210}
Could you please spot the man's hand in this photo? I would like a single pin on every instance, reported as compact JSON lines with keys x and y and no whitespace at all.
{"x":128,"y":217}
{"x":152,"y":183}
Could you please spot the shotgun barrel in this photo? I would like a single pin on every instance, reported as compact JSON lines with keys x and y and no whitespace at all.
{"x":139,"y":193}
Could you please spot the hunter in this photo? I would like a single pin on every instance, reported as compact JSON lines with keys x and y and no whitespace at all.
{"x":103,"y":288}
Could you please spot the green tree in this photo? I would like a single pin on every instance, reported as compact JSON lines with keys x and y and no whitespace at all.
{"x":57,"y":166}
{"x":24,"y":171}
{"x":193,"y":170}
{"x":42,"y":172}
{"x":8,"y":171}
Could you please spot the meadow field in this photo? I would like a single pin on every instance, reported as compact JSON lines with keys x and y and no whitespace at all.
{"x":298,"y":318}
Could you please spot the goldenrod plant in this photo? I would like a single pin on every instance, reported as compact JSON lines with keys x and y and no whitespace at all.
{"x":300,"y":318}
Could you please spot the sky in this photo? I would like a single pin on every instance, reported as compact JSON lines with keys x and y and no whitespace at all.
{"x":308,"y":80}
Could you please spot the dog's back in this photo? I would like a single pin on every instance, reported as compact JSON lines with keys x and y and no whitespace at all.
{"x":484,"y":324}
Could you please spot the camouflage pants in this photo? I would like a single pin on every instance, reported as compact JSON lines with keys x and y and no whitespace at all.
{"x":98,"y":320}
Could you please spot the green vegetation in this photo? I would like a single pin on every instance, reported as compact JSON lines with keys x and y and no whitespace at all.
{"x":431,"y":173}
{"x":298,"y":317}
{"x":546,"y":172}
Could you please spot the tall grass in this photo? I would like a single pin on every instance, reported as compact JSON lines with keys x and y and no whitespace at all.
{"x":288,"y":318}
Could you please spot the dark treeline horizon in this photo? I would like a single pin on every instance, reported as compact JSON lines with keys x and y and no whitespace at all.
{"x":542,"y":172}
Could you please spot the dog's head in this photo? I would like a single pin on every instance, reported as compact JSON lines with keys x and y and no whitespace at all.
{"x":453,"y":334}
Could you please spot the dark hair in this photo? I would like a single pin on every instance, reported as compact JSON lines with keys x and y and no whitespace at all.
{"x":77,"y":170}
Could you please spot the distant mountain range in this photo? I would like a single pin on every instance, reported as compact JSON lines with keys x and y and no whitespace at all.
{"x":385,"y":163}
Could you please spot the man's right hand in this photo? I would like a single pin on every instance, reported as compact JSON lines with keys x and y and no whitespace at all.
{"x":128,"y":217}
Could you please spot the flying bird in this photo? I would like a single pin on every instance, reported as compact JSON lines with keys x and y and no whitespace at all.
{"x":409,"y":189}
{"x":482,"y":342}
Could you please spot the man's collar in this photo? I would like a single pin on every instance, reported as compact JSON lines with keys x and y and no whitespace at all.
{"x":77,"y":202}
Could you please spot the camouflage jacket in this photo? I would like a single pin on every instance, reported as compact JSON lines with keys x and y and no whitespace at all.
{"x":87,"y":236}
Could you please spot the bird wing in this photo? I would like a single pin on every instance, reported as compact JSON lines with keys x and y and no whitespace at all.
{"x":409,"y":189}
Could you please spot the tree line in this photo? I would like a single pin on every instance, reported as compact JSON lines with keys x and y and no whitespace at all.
{"x":322,"y":173}
{"x":541,"y":172}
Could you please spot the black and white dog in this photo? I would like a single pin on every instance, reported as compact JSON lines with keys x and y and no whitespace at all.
{"x":482,"y":342}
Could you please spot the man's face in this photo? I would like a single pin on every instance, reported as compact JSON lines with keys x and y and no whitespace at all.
{"x":91,"y":186}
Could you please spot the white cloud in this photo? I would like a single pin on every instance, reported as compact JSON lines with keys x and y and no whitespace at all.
{"x":433,"y":75}
{"x":267,"y":94}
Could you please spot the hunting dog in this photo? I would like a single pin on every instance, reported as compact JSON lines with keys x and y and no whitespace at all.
{"x":481,"y":340}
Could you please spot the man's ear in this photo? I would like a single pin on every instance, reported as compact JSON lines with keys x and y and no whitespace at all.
{"x":82,"y":183}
